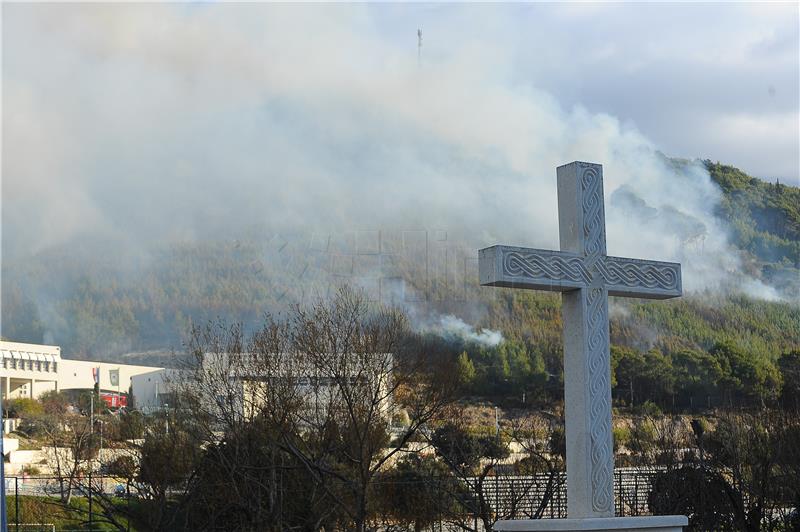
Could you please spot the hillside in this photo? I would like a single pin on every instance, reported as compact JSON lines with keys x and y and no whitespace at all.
{"x":94,"y":308}
{"x":764,"y":220}
{"x":695,"y":350}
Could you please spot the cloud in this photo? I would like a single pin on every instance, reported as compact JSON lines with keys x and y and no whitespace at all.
{"x":671,"y":69}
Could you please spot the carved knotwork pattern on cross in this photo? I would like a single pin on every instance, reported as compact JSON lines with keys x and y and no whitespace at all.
{"x":611,"y":271}
{"x":593,"y":215}
{"x":599,"y":357}
{"x":521,"y":264}
{"x":599,"y":360}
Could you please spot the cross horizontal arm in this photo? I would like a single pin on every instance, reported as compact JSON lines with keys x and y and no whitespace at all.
{"x":640,"y":278}
{"x":534,"y":269}
{"x":560,"y":271}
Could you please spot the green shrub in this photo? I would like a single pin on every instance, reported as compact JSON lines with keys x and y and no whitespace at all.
{"x":650,"y":409}
{"x":24,"y":408}
{"x":622,"y":436}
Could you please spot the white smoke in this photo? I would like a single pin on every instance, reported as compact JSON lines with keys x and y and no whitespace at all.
{"x":449,"y":327}
{"x":175,"y":123}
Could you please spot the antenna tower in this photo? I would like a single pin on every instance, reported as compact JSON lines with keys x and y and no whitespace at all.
{"x":419,"y":46}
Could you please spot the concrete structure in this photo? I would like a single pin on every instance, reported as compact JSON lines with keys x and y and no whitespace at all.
{"x":253,"y":375}
{"x":654,"y":523}
{"x":151,"y":390}
{"x":44,"y":459}
{"x":10,"y":425}
{"x":585,"y":276}
{"x":10,"y":445}
{"x":29,"y":370}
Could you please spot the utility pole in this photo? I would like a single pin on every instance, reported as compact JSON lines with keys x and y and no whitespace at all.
{"x":3,"y":516}
{"x":91,"y":442}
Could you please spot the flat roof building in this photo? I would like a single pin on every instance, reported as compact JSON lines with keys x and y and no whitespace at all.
{"x":29,"y":370}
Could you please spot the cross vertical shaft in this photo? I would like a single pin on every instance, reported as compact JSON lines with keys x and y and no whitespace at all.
{"x":587,"y":379}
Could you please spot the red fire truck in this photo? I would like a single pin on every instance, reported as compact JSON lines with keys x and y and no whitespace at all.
{"x":114,"y":400}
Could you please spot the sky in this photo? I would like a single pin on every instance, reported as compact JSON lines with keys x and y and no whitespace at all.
{"x":149,"y":123}
{"x":709,"y":80}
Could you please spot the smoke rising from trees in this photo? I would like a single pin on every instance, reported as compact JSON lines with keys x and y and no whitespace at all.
{"x":130,"y":127}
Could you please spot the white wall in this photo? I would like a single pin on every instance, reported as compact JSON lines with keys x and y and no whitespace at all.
{"x":10,"y":424}
{"x":39,"y":387}
{"x":77,"y":374}
{"x":148,"y":386}
{"x":33,"y":456}
{"x":10,"y":444}
{"x":29,"y":370}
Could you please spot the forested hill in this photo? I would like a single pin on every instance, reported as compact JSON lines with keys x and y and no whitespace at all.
{"x":765,"y":221}
{"x":101,"y":306}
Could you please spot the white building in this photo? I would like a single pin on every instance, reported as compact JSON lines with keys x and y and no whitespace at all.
{"x":152,"y":390}
{"x":250,"y":378}
{"x":29,"y":370}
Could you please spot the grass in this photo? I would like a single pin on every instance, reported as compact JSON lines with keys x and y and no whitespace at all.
{"x":75,"y":516}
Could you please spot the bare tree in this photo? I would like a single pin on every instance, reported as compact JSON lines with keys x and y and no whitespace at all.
{"x":321,"y":388}
{"x":742,"y":474}
{"x":72,"y":454}
{"x":500,"y":486}
{"x":658,"y":442}
{"x":363,"y":371}
{"x":534,"y":435}
{"x":70,"y":447}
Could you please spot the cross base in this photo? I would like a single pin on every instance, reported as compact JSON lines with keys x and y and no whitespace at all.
{"x":654,"y":523}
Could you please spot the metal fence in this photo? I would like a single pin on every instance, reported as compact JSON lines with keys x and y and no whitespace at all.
{"x":25,"y":517}
{"x":522,"y":496}
{"x":509,"y":496}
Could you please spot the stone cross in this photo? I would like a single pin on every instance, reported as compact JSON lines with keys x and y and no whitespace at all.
{"x":585,"y":276}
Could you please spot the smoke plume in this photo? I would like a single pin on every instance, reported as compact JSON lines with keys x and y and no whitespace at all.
{"x":452,"y":327}
{"x":132,"y":126}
